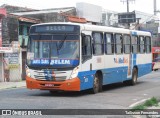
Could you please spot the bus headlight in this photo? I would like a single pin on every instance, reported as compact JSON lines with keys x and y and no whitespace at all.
{"x":28,"y":72}
{"x":74,"y":72}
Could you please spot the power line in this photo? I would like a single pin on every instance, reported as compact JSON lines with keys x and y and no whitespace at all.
{"x":138,"y":25}
{"x":127,"y":1}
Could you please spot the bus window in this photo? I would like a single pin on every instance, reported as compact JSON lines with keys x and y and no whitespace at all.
{"x":118,"y":40}
{"x":33,"y":45}
{"x":127,"y":44}
{"x":141,"y":44}
{"x":86,"y":48}
{"x":44,"y":46}
{"x":109,"y":43}
{"x":36,"y":49}
{"x":148,"y":44}
{"x":134,"y":44}
{"x":97,"y":43}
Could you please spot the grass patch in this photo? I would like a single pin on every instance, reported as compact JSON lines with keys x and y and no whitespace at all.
{"x":139,"y":107}
{"x":151,"y":102}
{"x":148,"y":103}
{"x":12,"y":87}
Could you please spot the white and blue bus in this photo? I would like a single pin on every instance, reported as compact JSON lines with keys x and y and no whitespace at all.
{"x":75,"y":57}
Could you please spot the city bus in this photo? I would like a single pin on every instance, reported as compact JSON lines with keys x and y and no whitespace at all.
{"x":75,"y":57}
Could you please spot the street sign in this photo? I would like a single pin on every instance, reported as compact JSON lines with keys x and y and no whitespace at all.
{"x":127,"y":17}
{"x":6,"y":50}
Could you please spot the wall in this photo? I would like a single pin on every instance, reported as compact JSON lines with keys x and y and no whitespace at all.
{"x":9,"y":30}
{"x":1,"y":67}
{"x":12,"y":66}
{"x":90,"y":12}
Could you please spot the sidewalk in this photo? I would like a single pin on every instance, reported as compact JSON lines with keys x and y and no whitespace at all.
{"x":8,"y":85}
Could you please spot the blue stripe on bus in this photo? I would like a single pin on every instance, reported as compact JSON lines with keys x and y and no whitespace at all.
{"x":134,"y":59}
{"x":130,"y":65}
{"x":86,"y":79}
{"x":111,"y":75}
{"x":144,"y":69}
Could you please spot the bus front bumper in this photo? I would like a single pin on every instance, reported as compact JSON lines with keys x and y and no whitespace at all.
{"x":68,"y":85}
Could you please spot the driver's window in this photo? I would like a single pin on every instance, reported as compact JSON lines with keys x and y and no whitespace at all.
{"x":86,"y":47}
{"x":36,"y":50}
{"x":44,"y":49}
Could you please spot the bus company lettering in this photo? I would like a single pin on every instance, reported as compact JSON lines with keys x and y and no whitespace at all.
{"x":60,"y":62}
{"x":121,"y":60}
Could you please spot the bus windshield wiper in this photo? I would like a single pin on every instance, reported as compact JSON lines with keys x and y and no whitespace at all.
{"x":62,"y":42}
{"x":57,"y":49}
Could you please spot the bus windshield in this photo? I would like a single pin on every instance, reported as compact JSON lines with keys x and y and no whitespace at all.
{"x":53,"y":50}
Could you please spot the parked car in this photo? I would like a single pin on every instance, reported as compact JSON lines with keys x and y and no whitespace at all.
{"x":156,"y":64}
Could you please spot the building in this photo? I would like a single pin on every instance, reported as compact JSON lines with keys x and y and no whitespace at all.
{"x":14,"y":29}
{"x":50,"y":15}
{"x":144,"y":22}
{"x":92,"y":13}
{"x":110,"y":18}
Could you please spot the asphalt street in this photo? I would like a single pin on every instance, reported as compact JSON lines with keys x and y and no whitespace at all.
{"x":115,"y":96}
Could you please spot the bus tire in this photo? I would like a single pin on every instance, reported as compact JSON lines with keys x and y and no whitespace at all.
{"x":133,"y":81}
{"x":134,"y":76}
{"x":96,"y":84}
{"x":100,"y":83}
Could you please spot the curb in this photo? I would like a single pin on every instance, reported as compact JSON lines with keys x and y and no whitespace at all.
{"x":145,"y":116}
{"x":138,"y":102}
{"x":10,"y":85}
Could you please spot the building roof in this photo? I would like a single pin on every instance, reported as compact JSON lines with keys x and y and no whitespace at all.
{"x":76,"y":19}
{"x":56,"y":10}
{"x":22,"y":9}
{"x":25,"y":19}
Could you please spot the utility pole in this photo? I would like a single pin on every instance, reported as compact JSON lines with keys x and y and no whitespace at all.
{"x":155,"y":7}
{"x":127,"y":6}
{"x":127,"y":1}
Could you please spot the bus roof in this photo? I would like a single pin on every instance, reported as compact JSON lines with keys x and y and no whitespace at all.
{"x":90,"y":27}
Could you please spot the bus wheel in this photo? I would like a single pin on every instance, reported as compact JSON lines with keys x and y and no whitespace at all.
{"x":96,"y":84}
{"x":134,"y":76}
{"x":133,"y":81}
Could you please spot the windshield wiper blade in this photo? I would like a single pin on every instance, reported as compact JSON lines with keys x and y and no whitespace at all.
{"x":57,"y":49}
{"x":62,"y":42}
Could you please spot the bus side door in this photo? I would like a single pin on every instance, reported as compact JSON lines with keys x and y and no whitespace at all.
{"x":86,"y":74}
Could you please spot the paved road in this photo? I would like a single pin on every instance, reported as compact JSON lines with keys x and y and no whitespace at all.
{"x":113,"y":96}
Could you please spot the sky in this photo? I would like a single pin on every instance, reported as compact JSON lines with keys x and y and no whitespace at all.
{"x":113,"y":5}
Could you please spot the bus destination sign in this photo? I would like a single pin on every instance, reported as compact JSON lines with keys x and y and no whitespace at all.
{"x":54,"y":28}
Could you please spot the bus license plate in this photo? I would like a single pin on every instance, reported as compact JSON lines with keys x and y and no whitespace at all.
{"x":49,"y":85}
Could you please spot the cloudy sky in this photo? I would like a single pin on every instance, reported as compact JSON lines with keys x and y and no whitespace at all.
{"x":114,"y":5}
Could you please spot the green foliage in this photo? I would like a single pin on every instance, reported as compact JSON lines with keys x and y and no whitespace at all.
{"x":138,"y":107}
{"x":151,"y":102}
